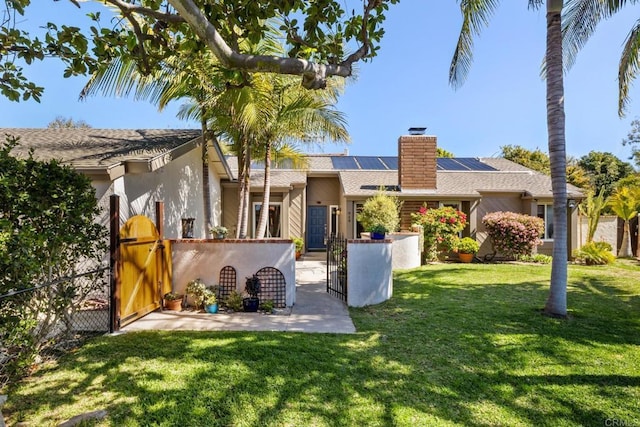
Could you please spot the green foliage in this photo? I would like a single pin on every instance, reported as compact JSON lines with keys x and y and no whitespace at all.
{"x":595,"y":253}
{"x":47,"y":229}
{"x":592,"y":207}
{"x":535,"y":258}
{"x":252,"y":286}
{"x":198,"y":290}
{"x":467,"y":245}
{"x":299,"y":243}
{"x":171,"y":296}
{"x":380,"y":213}
{"x":267,"y":306}
{"x":234,"y":301}
{"x":152,"y":33}
{"x":440,"y":228}
{"x":209,"y":297}
{"x":633,"y":140}
{"x":537,"y":160}
{"x":513,"y":234}
{"x":604,"y":170}
{"x":61,"y":123}
{"x":441,"y":152}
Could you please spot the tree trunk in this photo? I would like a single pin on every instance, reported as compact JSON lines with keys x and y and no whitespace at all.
{"x":625,"y":247}
{"x":244,"y":170}
{"x":207,"y":140}
{"x":266,"y":194}
{"x":557,"y":301}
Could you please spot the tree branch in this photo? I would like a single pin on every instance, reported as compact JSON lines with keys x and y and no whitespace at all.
{"x":128,"y":8}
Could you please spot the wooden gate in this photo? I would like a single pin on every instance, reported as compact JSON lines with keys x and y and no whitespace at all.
{"x":144,"y":269}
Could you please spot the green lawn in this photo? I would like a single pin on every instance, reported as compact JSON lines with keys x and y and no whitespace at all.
{"x":457,"y":345}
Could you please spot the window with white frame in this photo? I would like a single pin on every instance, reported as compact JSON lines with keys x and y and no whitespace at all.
{"x":274,"y":220}
{"x":545,"y":211}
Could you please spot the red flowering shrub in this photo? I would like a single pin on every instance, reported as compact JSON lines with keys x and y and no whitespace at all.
{"x":441,"y":227}
{"x":514,"y":234}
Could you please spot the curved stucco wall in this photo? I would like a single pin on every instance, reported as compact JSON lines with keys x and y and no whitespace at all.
{"x":369,"y":277}
{"x":406,"y":250}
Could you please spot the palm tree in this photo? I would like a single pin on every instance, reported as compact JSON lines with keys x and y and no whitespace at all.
{"x":283,"y":111}
{"x":591,"y":207}
{"x":476,"y":15}
{"x":581,"y":19}
{"x":624,"y":203}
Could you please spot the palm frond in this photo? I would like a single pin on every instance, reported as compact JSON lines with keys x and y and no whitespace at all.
{"x":629,"y":67}
{"x":475,"y":16}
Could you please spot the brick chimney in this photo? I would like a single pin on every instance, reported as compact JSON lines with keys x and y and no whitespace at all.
{"x":417,"y":162}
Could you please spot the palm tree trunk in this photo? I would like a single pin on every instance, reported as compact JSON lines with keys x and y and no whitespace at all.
{"x":266,"y":194}
{"x":557,"y":301}
{"x":244,"y":169}
{"x":206,"y":188}
{"x":625,"y":247}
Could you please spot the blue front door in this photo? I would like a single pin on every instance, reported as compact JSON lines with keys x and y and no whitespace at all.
{"x":316,"y":227}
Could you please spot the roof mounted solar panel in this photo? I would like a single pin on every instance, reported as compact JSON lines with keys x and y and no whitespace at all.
{"x":474,"y":164}
{"x":344,"y":162}
{"x":370,"y":163}
{"x":448,"y":164}
{"x":390,"y":162}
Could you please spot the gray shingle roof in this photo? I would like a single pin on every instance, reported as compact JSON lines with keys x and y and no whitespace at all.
{"x":95,"y":148}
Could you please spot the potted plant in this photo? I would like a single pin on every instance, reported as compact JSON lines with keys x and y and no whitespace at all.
{"x":197,"y":289}
{"x":252,"y":287}
{"x":378,"y":232}
{"x":467,"y":249}
{"x":299,"y":243}
{"x":219,"y":232}
{"x":210,"y":301}
{"x":233,"y":301}
{"x":380,"y":214}
{"x":172,"y":301}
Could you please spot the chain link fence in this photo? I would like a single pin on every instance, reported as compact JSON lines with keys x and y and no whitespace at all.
{"x":44,"y":321}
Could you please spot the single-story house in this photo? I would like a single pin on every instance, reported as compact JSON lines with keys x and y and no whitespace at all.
{"x":196,"y":181}
{"x":325,"y":197}
{"x":142,"y":166}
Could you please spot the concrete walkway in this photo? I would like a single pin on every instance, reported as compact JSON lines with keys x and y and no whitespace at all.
{"x":314,"y":311}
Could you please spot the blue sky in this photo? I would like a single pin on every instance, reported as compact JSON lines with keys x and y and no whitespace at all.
{"x":502,"y":102}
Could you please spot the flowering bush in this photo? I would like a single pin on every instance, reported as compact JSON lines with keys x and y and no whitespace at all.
{"x":441,"y":227}
{"x":513,"y":234}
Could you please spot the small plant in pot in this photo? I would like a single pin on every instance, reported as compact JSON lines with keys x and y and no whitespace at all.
{"x":299,"y":243}
{"x":252,"y":287}
{"x":210,"y":301}
{"x":219,"y":232}
{"x":197,"y":289}
{"x":172,"y":301}
{"x":380,"y":214}
{"x":467,"y":249}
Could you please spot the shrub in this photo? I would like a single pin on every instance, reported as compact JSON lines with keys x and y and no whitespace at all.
{"x":380,"y":212}
{"x":595,"y":253}
{"x":467,"y":245}
{"x":536,"y":258}
{"x":440,"y":227}
{"x":47,"y":232}
{"x":234,"y":301}
{"x":513,"y":234}
{"x":299,"y":243}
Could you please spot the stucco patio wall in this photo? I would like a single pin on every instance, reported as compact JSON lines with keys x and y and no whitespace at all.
{"x":369,"y":277}
{"x":199,"y":258}
{"x":406,"y":250}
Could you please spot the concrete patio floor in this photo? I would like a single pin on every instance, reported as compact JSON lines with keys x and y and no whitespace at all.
{"x":314,"y":311}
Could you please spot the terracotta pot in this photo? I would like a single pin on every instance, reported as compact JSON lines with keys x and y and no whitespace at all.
{"x":175,"y":305}
{"x":466,"y":257}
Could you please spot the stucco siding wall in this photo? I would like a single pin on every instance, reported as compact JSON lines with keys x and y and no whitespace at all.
{"x":607,"y":230}
{"x":230,"y":208}
{"x":323,"y":191}
{"x":215,"y":189}
{"x":178,"y":184}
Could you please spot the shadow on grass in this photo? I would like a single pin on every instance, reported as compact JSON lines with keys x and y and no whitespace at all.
{"x":455,"y":345}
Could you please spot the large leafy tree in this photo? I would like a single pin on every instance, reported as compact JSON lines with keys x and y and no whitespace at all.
{"x":633,"y":140}
{"x":581,"y":18}
{"x":323,"y":38}
{"x":476,"y":14}
{"x":604,"y":170}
